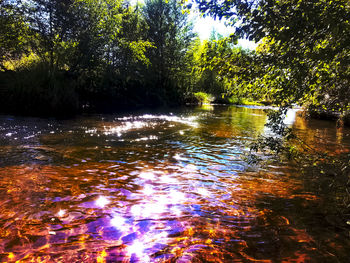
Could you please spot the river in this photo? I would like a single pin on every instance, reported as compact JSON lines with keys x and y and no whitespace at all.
{"x":170,"y":186}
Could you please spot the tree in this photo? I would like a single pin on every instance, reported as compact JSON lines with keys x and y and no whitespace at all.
{"x":306,"y":53}
{"x":111,"y":48}
{"x":83,"y":47}
{"x":12,"y":31}
{"x":171,"y":34}
{"x":50,"y":24}
{"x":225,"y":70}
{"x":128,"y":48}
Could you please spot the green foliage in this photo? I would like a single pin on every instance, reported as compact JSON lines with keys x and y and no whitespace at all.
{"x":148,"y":55}
{"x":204,"y":98}
{"x":13,"y":29}
{"x":225,"y":70}
{"x":171,"y":33}
{"x":114,"y":54}
{"x":242,"y":101}
{"x":36,"y":90}
{"x":304,"y":52}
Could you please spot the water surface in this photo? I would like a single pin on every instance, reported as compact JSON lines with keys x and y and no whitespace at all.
{"x":161,"y":187}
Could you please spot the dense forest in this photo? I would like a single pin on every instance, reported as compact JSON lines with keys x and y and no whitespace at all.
{"x":63,"y":57}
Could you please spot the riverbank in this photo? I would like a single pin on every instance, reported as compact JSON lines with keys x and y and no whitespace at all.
{"x":340,"y":119}
{"x":310,"y":112}
{"x":37,"y":92}
{"x":207,"y":98}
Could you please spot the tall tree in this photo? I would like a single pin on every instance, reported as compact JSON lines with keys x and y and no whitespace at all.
{"x":50,"y":23}
{"x":171,"y":33}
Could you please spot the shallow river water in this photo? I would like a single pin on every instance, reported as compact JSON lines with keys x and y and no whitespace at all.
{"x":160,"y":187}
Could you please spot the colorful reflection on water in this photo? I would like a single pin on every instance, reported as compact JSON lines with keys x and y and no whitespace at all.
{"x":158,"y":188}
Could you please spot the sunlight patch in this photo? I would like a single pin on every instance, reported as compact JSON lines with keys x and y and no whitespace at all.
{"x":102,"y":201}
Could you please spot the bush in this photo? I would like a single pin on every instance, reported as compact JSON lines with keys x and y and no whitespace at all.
{"x":242,"y":101}
{"x":204,"y":98}
{"x":34,"y":90}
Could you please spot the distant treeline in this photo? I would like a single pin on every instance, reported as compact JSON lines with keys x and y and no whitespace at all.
{"x":68,"y":56}
{"x":64,"y":57}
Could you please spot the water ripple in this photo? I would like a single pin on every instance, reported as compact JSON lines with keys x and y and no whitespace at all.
{"x":152,"y":188}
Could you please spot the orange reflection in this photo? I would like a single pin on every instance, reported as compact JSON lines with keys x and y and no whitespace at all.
{"x":320,"y":136}
{"x":194,"y":203}
{"x":93,"y":215}
{"x":101,"y":258}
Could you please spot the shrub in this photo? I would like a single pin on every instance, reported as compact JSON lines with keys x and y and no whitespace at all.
{"x":34,"y":90}
{"x":204,"y":98}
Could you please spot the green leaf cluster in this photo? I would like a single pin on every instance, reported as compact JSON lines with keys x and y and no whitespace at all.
{"x":304,"y":47}
{"x":115,"y":55}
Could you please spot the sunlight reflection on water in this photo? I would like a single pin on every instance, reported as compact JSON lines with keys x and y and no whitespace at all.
{"x":102,"y":201}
